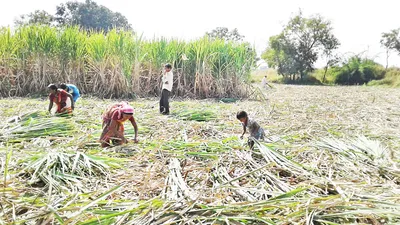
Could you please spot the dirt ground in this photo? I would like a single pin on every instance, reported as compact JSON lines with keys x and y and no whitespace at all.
{"x":319,"y":111}
{"x":295,"y":118}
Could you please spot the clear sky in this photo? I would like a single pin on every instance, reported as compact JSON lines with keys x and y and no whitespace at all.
{"x":357,"y":24}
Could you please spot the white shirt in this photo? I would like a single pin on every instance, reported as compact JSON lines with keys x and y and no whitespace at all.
{"x":264,"y":81}
{"x":168,"y":76}
{"x":68,"y":103}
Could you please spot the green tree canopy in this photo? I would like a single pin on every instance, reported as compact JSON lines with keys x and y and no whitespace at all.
{"x":88,"y":15}
{"x":296,"y":49}
{"x":391,"y":41}
{"x":224,"y":34}
{"x":36,"y":17}
{"x":358,"y":70}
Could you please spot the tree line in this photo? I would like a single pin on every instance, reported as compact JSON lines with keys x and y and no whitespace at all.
{"x":91,"y":16}
{"x":304,"y":40}
{"x":293,"y":52}
{"x":88,"y":15}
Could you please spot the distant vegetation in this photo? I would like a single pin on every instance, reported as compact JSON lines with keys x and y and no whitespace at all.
{"x":96,"y":48}
{"x":296,"y":49}
{"x":119,"y":64}
{"x":88,"y":15}
{"x":294,"y":52}
{"x":224,"y":34}
{"x":356,"y":71}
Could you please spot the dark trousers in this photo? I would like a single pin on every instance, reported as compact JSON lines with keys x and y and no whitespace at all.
{"x":164,"y":103}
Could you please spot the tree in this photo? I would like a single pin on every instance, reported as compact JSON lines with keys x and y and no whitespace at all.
{"x":36,"y":17}
{"x":224,"y":34}
{"x":65,"y":14}
{"x":277,"y":55}
{"x":90,"y":16}
{"x":391,"y":41}
{"x":296,"y":49}
{"x":330,"y":45}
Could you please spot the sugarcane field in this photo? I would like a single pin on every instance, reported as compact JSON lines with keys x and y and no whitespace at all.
{"x":151,"y":123}
{"x":330,"y":156}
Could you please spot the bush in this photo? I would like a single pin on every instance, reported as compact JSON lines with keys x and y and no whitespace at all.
{"x":307,"y":80}
{"x":385,"y":82}
{"x":329,"y":78}
{"x":358,"y":71}
{"x":393,"y":72}
{"x":391,"y":78}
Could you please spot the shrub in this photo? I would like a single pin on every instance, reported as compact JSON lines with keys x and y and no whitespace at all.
{"x":358,"y":71}
{"x":307,"y":80}
{"x":330,"y":75}
{"x":391,"y":78}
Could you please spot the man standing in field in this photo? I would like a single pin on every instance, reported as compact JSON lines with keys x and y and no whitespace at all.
{"x":167,"y":82}
{"x":264,"y":82}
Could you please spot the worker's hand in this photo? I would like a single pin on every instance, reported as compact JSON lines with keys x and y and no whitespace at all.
{"x":72,"y":107}
{"x":166,"y":82}
{"x":241,"y":137}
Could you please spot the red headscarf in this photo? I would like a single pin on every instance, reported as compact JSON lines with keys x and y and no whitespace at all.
{"x":115,"y":112}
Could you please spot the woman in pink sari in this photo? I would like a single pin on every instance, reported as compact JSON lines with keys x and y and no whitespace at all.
{"x":113,"y":127}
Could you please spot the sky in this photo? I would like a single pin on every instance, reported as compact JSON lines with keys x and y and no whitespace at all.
{"x":357,"y":24}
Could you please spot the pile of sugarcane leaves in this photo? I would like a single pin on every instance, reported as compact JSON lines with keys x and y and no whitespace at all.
{"x":197,"y":115}
{"x":35,"y":124}
{"x":183,"y":181}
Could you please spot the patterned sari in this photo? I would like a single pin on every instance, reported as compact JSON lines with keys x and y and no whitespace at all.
{"x":114,"y":132}
{"x":60,"y":99}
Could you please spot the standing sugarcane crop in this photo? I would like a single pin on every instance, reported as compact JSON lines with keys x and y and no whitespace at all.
{"x":167,"y":82}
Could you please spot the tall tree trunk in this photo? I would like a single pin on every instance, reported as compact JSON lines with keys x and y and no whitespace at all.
{"x":326,"y":70}
{"x":387,"y":59}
